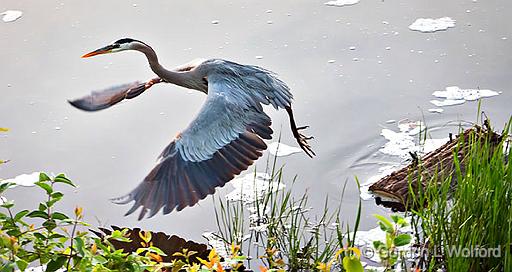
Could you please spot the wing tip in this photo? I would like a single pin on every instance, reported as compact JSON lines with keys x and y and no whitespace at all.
{"x":81,"y":104}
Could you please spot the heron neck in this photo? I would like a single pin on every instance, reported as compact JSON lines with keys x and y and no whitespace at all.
{"x":173,"y":77}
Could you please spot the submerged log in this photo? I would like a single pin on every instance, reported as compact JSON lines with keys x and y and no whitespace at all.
{"x":392,"y":191}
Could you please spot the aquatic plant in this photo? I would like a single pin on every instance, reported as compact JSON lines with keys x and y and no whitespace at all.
{"x":54,"y":241}
{"x":283,"y":233}
{"x":463,"y":219}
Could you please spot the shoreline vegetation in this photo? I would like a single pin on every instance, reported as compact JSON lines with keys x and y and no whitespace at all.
{"x":459,"y":221}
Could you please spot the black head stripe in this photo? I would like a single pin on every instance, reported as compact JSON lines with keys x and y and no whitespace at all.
{"x":125,"y":40}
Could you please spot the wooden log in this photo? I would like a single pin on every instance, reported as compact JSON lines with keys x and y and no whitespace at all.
{"x":392,"y":191}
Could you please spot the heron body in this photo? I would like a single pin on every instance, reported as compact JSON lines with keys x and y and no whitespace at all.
{"x":224,"y":139}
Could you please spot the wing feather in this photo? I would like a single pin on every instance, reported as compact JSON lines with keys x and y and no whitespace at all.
{"x":223,"y":140}
{"x":102,"y":99}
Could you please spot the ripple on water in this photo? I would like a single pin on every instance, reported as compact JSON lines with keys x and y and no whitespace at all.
{"x":282,"y":150}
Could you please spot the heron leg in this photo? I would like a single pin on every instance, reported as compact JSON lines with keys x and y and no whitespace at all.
{"x":301,"y":139}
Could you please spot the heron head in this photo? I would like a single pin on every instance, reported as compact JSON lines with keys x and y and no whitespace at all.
{"x":117,"y":46}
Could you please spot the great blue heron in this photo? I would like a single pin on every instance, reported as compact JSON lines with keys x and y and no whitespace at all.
{"x":223,"y":140}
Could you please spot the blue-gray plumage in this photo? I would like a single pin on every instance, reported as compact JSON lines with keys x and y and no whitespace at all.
{"x":224,"y":138}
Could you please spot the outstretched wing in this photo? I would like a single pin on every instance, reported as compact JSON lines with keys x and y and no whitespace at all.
{"x":106,"y":98}
{"x":223,"y":140}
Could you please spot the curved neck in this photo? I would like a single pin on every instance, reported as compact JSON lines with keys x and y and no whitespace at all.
{"x":178,"y":78}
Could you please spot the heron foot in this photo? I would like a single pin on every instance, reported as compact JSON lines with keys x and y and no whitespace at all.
{"x":302,"y":140}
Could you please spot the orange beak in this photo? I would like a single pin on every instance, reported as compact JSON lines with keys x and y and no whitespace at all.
{"x":104,"y":50}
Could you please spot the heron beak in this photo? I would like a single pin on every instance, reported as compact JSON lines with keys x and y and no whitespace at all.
{"x":104,"y":50}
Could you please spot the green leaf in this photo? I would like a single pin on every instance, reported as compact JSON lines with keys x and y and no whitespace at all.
{"x":42,"y":207}
{"x":61,"y":178}
{"x":352,"y":264}
{"x":402,"y":239}
{"x":59,"y":216}
{"x":56,"y":236}
{"x":45,"y":186}
{"x":8,"y":204}
{"x":50,"y":224}
{"x":22,"y":264}
{"x":80,"y":245}
{"x":39,"y":236}
{"x":384,"y":223}
{"x":5,"y":186}
{"x":378,"y":245}
{"x":39,"y":214}
{"x":98,"y":259}
{"x":20,"y":215}
{"x":44,"y":177}
{"x":54,"y":265}
{"x":57,"y":195}
{"x":156,"y":250}
{"x":395,"y":217}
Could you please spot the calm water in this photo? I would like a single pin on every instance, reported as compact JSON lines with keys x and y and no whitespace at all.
{"x":346,"y":102}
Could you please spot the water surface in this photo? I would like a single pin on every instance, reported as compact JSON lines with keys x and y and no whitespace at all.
{"x":350,"y":68}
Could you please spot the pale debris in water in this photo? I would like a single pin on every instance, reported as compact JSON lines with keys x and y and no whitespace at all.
{"x":282,"y":150}
{"x":383,"y":171}
{"x":11,"y":15}
{"x":365,"y":239}
{"x":341,"y":3}
{"x":404,"y":142}
{"x":447,"y":102}
{"x":221,"y":247}
{"x":456,"y":93}
{"x":436,"y":110}
{"x":432,"y":25}
{"x":40,"y":269}
{"x":215,"y":22}
{"x":251,"y":187}
{"x":26,"y":180}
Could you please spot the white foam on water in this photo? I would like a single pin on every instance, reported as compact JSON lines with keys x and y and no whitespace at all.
{"x":252,"y":187}
{"x":436,"y":110}
{"x":40,"y":269}
{"x":216,"y":242}
{"x":282,"y":150}
{"x":447,"y":102}
{"x":11,"y":15}
{"x":405,"y":141}
{"x":401,"y":144}
{"x":341,"y":3}
{"x":26,"y":180}
{"x":365,"y":239}
{"x":383,"y":171}
{"x":454,"y":93}
{"x":432,"y":25}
